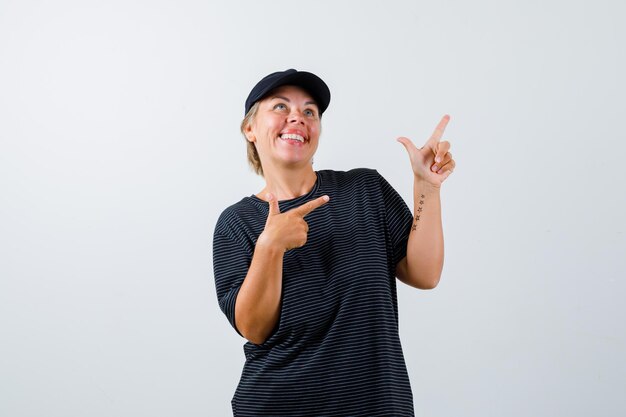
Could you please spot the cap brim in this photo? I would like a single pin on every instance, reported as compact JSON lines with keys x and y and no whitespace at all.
{"x":311,"y":83}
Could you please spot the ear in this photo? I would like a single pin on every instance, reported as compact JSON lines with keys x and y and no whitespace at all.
{"x":249,"y":133}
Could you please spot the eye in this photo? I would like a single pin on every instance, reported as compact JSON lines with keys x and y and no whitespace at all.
{"x":309,"y":112}
{"x":280,"y":106}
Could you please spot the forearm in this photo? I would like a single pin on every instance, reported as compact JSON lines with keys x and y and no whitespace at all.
{"x":425,"y":249}
{"x":257,"y":308}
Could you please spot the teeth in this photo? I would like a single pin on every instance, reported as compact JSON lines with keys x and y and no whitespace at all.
{"x":292,"y":136}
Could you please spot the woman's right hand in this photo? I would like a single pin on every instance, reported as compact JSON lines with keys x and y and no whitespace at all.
{"x":288,"y":230}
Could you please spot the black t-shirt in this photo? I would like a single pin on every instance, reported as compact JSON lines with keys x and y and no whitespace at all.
{"x":335,"y":350}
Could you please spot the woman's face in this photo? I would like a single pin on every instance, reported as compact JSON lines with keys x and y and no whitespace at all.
{"x":286,"y":128}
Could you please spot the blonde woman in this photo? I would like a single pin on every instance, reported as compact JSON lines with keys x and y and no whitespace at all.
{"x":305,"y":269}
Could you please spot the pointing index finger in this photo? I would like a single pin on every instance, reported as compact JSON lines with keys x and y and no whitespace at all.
{"x":306,"y":208}
{"x":441,"y":127}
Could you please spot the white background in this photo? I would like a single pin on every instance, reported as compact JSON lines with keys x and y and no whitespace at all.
{"x":120,"y":147}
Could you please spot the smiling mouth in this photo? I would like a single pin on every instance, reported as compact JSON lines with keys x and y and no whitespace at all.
{"x":292,"y":136}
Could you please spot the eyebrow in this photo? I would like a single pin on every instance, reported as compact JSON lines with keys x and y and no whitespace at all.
{"x":289,"y":101}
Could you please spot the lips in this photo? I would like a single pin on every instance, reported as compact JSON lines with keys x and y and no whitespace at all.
{"x":292,"y":136}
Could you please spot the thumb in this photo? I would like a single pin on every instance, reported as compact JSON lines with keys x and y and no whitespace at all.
{"x":274,"y":209}
{"x":408,"y":145}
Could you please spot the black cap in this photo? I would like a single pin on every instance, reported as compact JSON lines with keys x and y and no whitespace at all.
{"x":311,"y":83}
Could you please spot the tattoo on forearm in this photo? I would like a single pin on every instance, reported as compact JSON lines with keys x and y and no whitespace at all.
{"x":419,"y":210}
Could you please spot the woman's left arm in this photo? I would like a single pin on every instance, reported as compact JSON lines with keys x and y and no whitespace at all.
{"x":431,"y":164}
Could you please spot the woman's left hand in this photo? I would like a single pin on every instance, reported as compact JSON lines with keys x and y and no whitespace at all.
{"x":433,"y":162}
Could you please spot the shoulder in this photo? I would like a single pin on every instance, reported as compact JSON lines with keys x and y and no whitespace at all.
{"x":238,"y":216}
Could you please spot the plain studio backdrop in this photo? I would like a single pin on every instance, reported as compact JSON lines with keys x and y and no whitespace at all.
{"x":120,"y":147}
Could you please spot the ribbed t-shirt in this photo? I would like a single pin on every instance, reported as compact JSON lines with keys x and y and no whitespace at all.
{"x":335,"y":350}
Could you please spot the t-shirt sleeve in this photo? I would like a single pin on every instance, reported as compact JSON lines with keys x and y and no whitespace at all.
{"x":399,"y":219}
{"x":230,"y":267}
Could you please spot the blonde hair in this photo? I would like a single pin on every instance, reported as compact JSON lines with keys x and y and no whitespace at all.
{"x":253,"y":155}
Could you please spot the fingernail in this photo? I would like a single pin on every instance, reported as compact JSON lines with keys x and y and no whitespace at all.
{"x":438,"y":159}
{"x":326,"y":198}
{"x":435,"y":168}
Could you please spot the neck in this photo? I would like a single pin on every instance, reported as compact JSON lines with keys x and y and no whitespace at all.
{"x":288,"y":183}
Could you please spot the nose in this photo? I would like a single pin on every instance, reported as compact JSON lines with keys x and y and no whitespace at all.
{"x":296,"y":117}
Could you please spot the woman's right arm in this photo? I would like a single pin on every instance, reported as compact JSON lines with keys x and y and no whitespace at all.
{"x":257,"y":308}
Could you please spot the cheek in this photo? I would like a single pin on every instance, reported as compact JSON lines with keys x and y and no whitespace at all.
{"x":272,"y":128}
{"x":263,"y":132}
{"x":315,"y":131}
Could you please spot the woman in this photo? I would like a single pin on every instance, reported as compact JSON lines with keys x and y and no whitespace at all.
{"x":305,"y":269}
